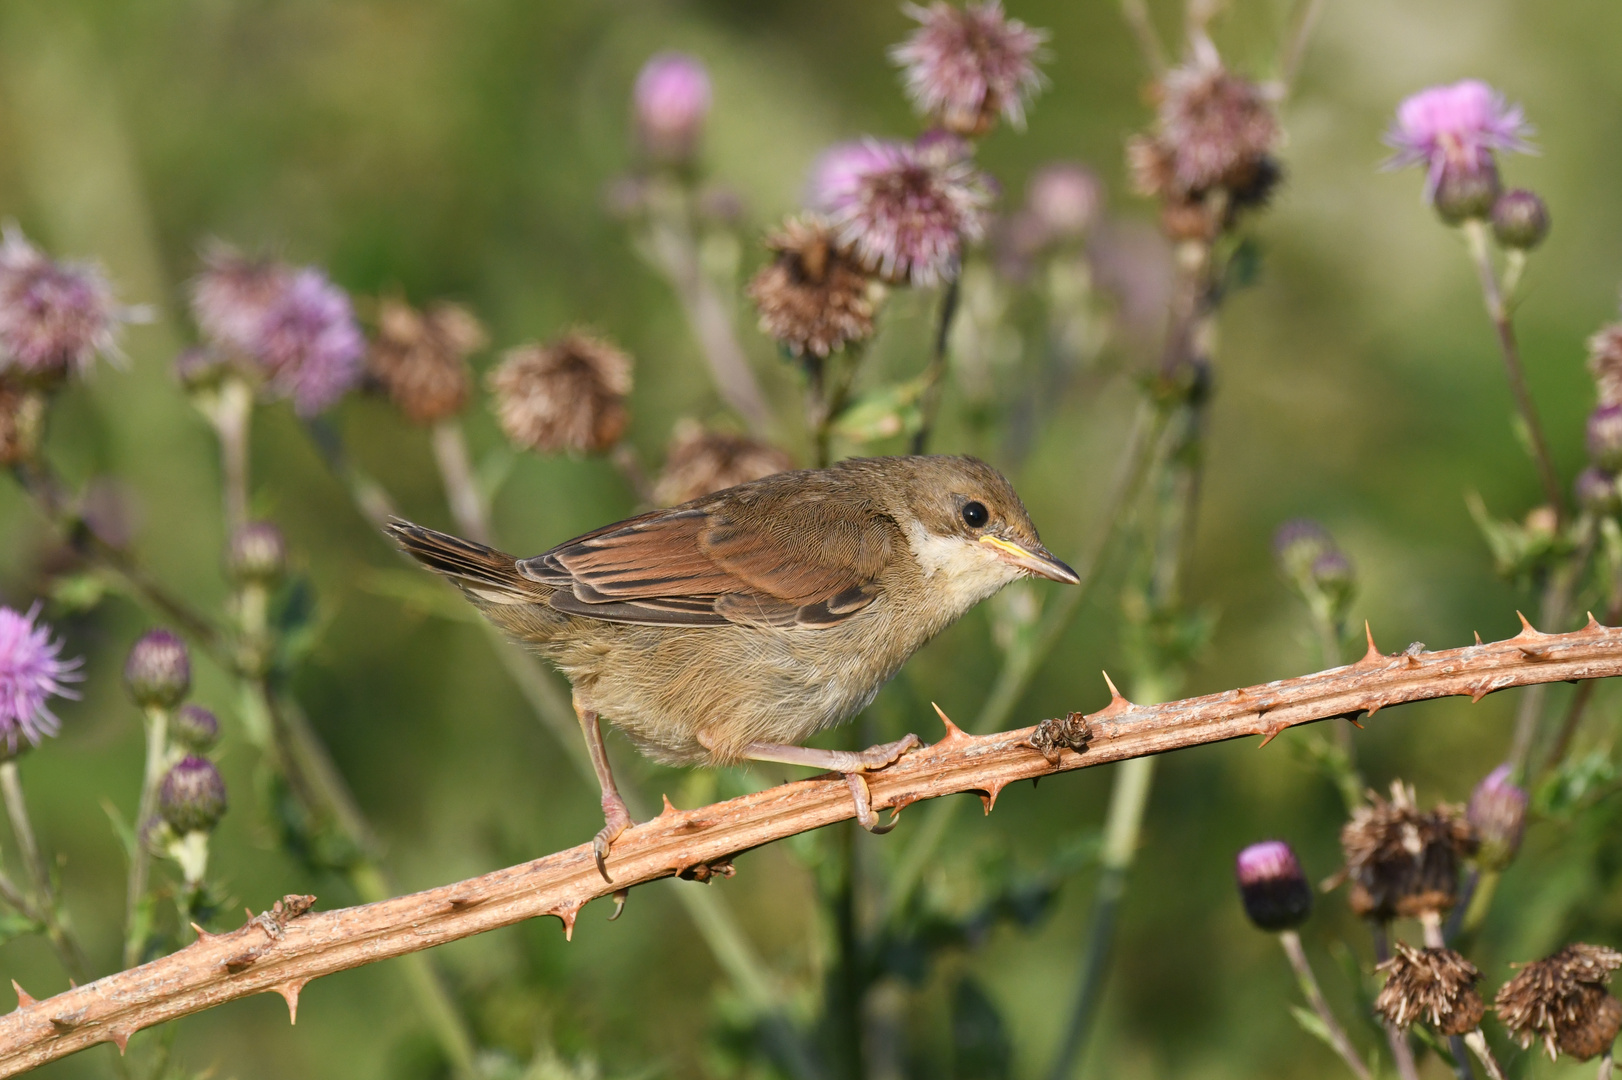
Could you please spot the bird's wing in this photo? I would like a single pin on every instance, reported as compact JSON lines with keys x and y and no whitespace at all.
{"x":762,"y":557}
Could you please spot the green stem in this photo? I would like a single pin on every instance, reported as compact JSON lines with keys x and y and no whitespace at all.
{"x":1475,"y":234}
{"x":137,"y":918}
{"x":929,"y":403}
{"x":41,"y":906}
{"x":1291,"y":941}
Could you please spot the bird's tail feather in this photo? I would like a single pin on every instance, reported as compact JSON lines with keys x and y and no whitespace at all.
{"x":483,"y":572}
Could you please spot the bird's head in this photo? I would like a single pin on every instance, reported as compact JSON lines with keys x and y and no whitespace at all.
{"x":967,"y":528}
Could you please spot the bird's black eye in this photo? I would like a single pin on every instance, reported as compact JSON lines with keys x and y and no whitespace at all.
{"x":975,"y":514}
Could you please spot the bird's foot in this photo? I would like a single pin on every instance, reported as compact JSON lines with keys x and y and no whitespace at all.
{"x":884,"y":754}
{"x":618,"y":820}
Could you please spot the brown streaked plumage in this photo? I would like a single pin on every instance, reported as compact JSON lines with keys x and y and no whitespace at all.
{"x":739,"y":624}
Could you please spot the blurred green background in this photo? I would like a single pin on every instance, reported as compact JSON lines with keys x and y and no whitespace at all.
{"x":462,"y":149}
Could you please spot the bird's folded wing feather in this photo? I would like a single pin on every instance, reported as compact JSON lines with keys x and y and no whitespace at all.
{"x":808,"y":563}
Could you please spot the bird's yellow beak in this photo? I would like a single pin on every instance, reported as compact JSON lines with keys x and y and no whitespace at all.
{"x":1037,"y":560}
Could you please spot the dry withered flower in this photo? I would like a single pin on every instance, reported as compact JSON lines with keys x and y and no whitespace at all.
{"x":1402,"y":862}
{"x":1070,"y":730}
{"x":700,"y":462}
{"x":565,"y":395}
{"x":1437,"y":986}
{"x":1562,"y":1002}
{"x":813,"y":298}
{"x":420,"y":357}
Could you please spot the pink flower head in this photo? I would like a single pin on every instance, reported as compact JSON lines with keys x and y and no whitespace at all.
{"x":905,"y":212}
{"x":230,"y":297}
{"x":1458,"y":126}
{"x":965,"y":66}
{"x":55,"y":318}
{"x":671,"y":102}
{"x":309,"y":344}
{"x":31,"y":673}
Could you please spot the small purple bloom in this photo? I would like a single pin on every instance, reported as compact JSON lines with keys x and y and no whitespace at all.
{"x":1498,"y":811}
{"x":309,"y":343}
{"x":965,"y":66}
{"x":905,"y":212}
{"x":157,"y":671}
{"x":192,"y":796}
{"x":55,"y":317}
{"x":1275,"y":892}
{"x":1458,"y":126}
{"x":671,"y":102}
{"x":31,"y":673}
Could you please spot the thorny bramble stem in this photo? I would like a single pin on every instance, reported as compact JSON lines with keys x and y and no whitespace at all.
{"x":1291,"y":941}
{"x":1475,"y":233}
{"x":198,"y":977}
{"x":1553,"y":611}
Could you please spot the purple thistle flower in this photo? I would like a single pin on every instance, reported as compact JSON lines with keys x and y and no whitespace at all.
{"x":1498,"y":811}
{"x":31,"y":673}
{"x":230,"y":297}
{"x":671,"y":101}
{"x":964,"y":66}
{"x":309,"y":344}
{"x":906,"y":212}
{"x":1455,"y":127}
{"x":55,"y":317}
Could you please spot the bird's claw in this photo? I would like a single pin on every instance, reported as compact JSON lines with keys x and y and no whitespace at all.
{"x":619,"y":819}
{"x":886,"y":754}
{"x":866,"y":817}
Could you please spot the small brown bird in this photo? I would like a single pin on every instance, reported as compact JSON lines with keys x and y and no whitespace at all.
{"x":735,"y":626}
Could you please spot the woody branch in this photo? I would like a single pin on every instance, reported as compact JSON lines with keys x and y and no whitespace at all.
{"x":282,"y":950}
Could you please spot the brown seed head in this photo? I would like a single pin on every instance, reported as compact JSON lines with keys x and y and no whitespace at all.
{"x":22,"y":416}
{"x":1562,"y":1001}
{"x":565,"y":395}
{"x":420,"y":357}
{"x":1605,"y":363}
{"x":1437,"y":986}
{"x":700,"y":462}
{"x":814,"y":296}
{"x":1403,"y":862}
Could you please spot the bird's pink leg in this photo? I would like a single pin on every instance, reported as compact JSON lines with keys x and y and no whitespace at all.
{"x":615,"y":812}
{"x":853,"y":763}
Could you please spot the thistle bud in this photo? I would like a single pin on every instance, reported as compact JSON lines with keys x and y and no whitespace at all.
{"x":671,"y":101}
{"x":1596,"y":491}
{"x":257,"y":553}
{"x":1467,"y":191}
{"x":191,"y":798}
{"x":1520,"y":220}
{"x":1275,"y":892}
{"x":1497,"y":811}
{"x":195,"y":728}
{"x":158,"y":671}
{"x":1605,"y":437}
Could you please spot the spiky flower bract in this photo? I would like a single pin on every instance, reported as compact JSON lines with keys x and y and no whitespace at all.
{"x":814,"y":296}
{"x":1561,"y":1001}
{"x":905,"y":211}
{"x":1437,"y":986}
{"x":965,"y":66}
{"x":1401,"y":861}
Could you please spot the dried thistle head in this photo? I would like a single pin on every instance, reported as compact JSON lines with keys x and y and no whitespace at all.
{"x":1402,"y":862}
{"x":420,"y":357}
{"x":700,"y":462}
{"x":1562,"y":1002}
{"x":814,"y":297}
{"x":566,"y":395}
{"x":1437,"y":986}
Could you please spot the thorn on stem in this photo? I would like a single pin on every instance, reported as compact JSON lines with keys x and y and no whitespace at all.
{"x":566,"y":915}
{"x":1478,"y":636}
{"x":1272,"y":733}
{"x":1373,"y":655}
{"x":1527,"y":629}
{"x":120,"y":1038}
{"x":952,"y":730}
{"x":669,"y":807}
{"x":289,"y":991}
{"x":24,"y":998}
{"x":1479,"y":691}
{"x":988,"y":797}
{"x":1594,"y":626}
